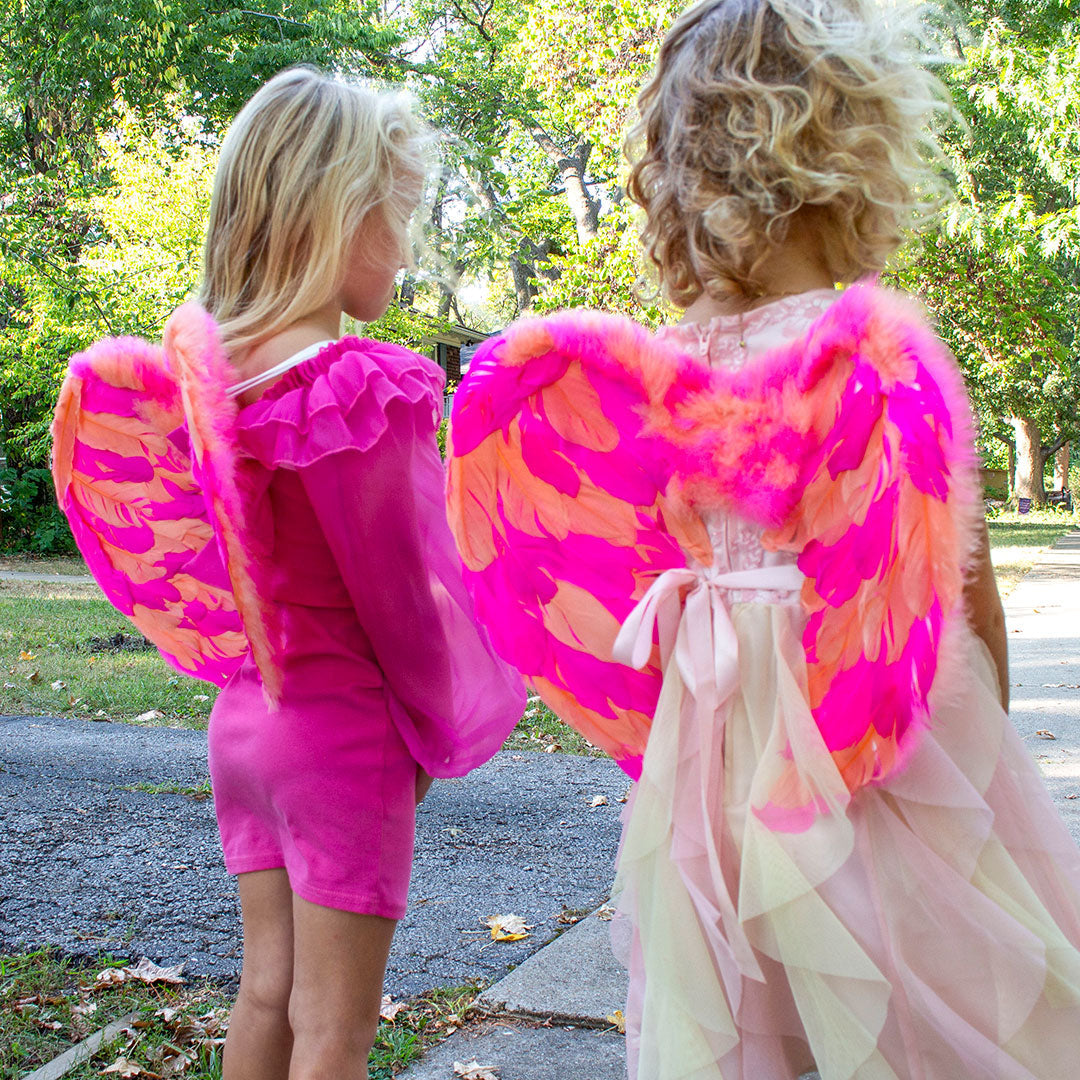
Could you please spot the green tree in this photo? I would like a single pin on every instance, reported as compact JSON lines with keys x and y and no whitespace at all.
{"x":1001,"y":272}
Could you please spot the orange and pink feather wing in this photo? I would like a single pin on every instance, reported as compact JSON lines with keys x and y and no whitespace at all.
{"x":582,"y":450}
{"x":122,"y":467}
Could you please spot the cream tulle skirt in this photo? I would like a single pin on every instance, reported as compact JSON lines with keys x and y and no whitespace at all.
{"x":926,"y":931}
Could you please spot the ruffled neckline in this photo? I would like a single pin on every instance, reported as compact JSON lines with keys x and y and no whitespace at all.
{"x":309,"y":369}
{"x":337,"y":400}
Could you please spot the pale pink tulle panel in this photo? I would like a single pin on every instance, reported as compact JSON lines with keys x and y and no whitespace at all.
{"x":927,"y":932}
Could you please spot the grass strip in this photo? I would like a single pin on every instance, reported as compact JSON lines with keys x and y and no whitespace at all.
{"x":55,"y":1011}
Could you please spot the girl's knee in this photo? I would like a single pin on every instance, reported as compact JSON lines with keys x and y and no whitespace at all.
{"x":267,"y":989}
{"x":328,"y":1046}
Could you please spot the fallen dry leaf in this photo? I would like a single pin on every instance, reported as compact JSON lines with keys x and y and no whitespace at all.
{"x":506,"y":927}
{"x":1073,"y":796}
{"x":27,"y":656}
{"x":598,"y":800}
{"x":617,"y":1020}
{"x":144,"y":971}
{"x":59,"y":684}
{"x":146,"y":717}
{"x":174,"y":1061}
{"x":123,"y":1066}
{"x":390,"y":1008}
{"x":1044,"y":734}
{"x":34,"y":677}
{"x":605,"y":912}
{"x":473,"y":1070}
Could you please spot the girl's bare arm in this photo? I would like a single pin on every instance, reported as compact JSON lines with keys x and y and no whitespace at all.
{"x":985,"y":613}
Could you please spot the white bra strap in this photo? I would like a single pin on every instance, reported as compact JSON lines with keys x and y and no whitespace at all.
{"x":278,"y":369}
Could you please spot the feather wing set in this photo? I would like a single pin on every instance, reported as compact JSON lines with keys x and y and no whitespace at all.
{"x":143,"y":455}
{"x":583,"y":452}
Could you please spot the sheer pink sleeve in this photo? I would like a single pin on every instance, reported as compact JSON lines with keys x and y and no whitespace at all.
{"x":382,"y":512}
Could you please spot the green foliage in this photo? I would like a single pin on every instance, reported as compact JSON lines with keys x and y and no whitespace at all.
{"x":30,"y":520}
{"x":604,"y":274}
{"x":110,"y":114}
{"x":586,"y":62}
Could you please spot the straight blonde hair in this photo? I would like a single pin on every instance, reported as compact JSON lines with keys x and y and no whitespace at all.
{"x":303,"y":165}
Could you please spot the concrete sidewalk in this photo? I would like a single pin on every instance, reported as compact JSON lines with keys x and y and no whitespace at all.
{"x":1043,"y":616}
{"x":549,"y":1019}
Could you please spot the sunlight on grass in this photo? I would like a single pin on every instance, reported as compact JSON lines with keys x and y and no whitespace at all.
{"x":1016,"y":539}
{"x":64,"y":651}
{"x":54,"y":564}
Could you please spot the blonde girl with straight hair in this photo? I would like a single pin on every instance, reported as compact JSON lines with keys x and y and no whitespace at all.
{"x":315,"y":792}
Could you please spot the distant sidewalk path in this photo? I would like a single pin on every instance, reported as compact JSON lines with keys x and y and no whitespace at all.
{"x":46,"y":579}
{"x":1043,"y":618}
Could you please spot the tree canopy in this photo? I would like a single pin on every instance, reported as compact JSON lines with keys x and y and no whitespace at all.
{"x":111,"y":113}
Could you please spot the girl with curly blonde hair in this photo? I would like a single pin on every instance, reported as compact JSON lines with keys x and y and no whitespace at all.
{"x":746,"y":555}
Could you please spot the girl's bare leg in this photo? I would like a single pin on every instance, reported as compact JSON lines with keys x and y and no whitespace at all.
{"x":260,"y":1042}
{"x":339,"y":962}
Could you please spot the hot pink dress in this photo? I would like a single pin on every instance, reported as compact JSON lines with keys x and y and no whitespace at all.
{"x":381,"y":662}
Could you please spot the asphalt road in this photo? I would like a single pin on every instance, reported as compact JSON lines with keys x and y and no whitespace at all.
{"x":93,"y":867}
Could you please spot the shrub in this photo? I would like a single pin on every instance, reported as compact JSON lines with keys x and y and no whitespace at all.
{"x":30,"y":520}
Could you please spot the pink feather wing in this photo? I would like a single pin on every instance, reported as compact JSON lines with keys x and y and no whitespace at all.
{"x":581,"y":450}
{"x":122,"y":467}
{"x":884,"y":527}
{"x":192,"y":344}
{"x":556,"y":499}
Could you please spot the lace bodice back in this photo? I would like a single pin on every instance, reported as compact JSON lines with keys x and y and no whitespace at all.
{"x":734,"y":341}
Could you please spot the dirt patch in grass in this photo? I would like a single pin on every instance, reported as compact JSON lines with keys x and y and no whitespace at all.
{"x":73,"y":654}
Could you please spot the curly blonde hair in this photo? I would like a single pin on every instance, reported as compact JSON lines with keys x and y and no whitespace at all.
{"x":758,"y":109}
{"x":302,"y":166}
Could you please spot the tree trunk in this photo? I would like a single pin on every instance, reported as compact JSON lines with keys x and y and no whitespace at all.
{"x":583,"y":206}
{"x":1029,"y":461}
{"x":524,"y":287}
{"x":1061,"y":468}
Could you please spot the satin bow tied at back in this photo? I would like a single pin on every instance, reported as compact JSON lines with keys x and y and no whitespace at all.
{"x":698,"y":630}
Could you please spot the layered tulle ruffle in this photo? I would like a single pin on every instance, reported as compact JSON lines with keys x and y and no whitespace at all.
{"x":928,"y":929}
